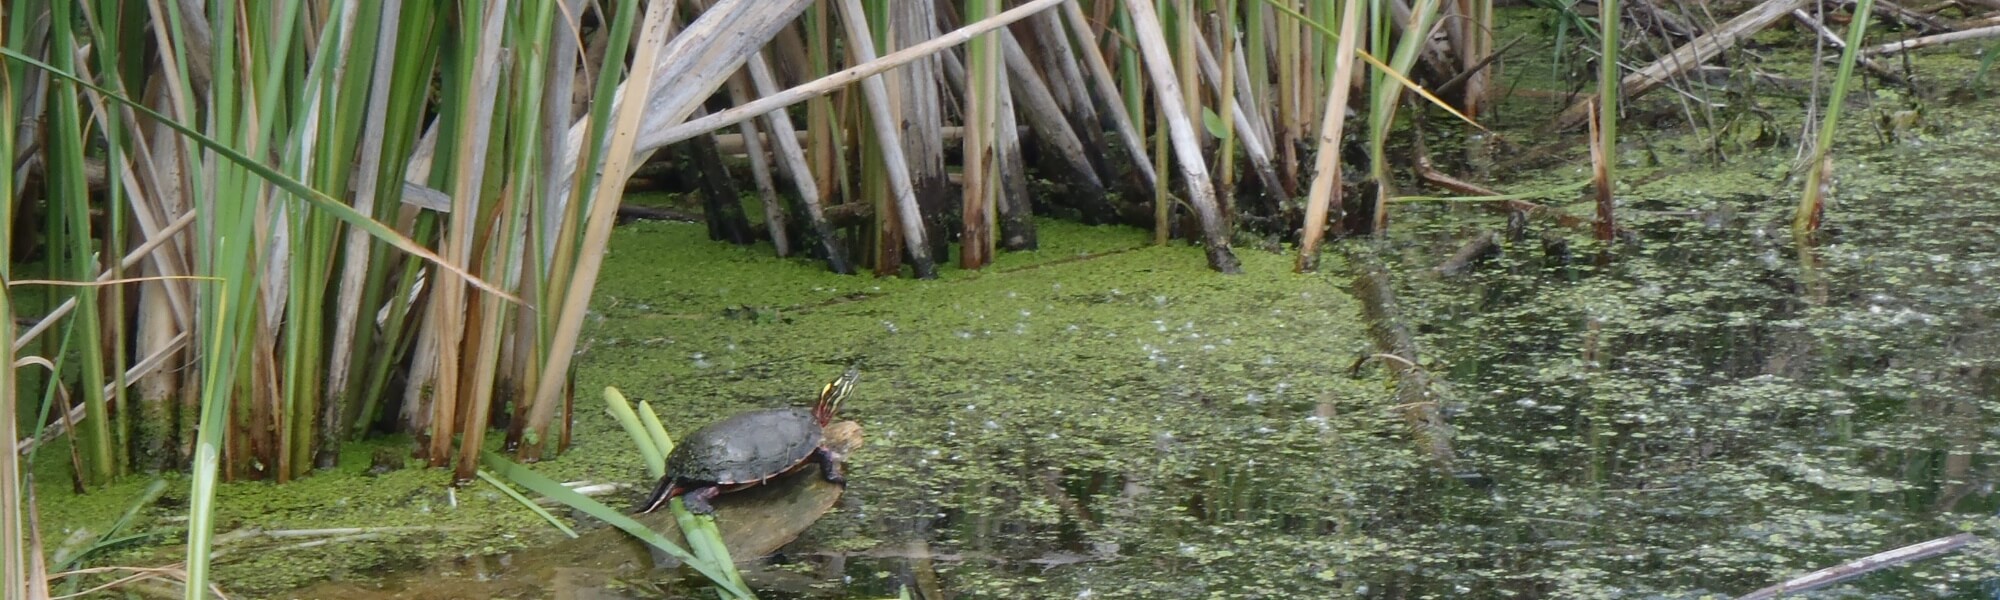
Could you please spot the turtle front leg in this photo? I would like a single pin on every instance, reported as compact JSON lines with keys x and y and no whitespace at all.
{"x":697,"y":499}
{"x":829,"y":466}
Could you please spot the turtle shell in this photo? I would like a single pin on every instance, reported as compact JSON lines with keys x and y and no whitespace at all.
{"x":746,"y":448}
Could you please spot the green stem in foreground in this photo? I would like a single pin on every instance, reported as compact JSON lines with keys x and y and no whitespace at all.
{"x":649,"y":450}
{"x":68,"y":190}
{"x":1608,"y":88}
{"x":1812,"y":203}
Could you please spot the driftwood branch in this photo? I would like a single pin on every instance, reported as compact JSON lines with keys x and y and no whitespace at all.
{"x":1862,"y":566}
{"x":1933,"y":40}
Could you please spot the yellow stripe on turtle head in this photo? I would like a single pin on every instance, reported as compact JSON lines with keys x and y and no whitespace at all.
{"x":836,"y":391}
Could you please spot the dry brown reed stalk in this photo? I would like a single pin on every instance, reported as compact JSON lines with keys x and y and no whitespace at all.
{"x":1326,"y":185}
{"x":1600,"y":168}
{"x":1186,"y":146}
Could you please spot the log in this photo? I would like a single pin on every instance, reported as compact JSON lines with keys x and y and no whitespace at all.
{"x":754,"y":523}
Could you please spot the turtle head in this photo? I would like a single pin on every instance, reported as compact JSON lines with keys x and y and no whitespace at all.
{"x":835,"y":392}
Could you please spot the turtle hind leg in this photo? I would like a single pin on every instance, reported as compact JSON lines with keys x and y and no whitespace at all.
{"x":829,"y":466}
{"x":697,"y":499}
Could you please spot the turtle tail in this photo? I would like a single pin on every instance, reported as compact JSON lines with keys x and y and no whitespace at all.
{"x":831,"y":396}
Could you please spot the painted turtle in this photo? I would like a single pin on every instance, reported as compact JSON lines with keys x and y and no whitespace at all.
{"x":751,"y":448}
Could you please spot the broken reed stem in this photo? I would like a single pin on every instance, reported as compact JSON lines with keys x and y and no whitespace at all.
{"x":845,"y":77}
{"x":1326,"y":190}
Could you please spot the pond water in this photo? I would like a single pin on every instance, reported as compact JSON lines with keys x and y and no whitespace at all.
{"x":1698,"y":413}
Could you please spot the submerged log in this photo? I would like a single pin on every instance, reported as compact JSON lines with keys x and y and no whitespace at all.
{"x":1480,"y":247}
{"x":1417,"y":393}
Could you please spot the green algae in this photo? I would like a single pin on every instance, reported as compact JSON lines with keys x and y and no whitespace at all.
{"x":1093,"y":364}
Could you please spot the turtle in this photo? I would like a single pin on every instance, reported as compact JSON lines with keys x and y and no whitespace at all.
{"x":750,"y":448}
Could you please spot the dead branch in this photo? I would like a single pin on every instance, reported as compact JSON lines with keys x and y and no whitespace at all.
{"x":1933,"y":40}
{"x":1862,"y":566}
{"x":1835,"y":40}
{"x":1480,"y":247}
{"x":1922,"y":22}
{"x":1687,"y":56}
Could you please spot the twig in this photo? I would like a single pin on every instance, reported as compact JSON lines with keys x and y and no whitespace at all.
{"x":1429,"y":172}
{"x":176,"y":571}
{"x":1479,"y":247}
{"x":1924,"y":23}
{"x":1835,"y":40}
{"x":1459,"y":79}
{"x":628,"y":212}
{"x":1933,"y":40}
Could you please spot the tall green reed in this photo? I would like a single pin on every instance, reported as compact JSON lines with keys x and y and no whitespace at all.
{"x":1812,"y":203}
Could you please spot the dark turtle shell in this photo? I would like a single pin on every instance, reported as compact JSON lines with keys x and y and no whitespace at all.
{"x":746,"y":448}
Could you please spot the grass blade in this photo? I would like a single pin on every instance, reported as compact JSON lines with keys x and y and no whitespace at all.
{"x":298,"y":188}
{"x":525,"y":502}
{"x":539,"y":484}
